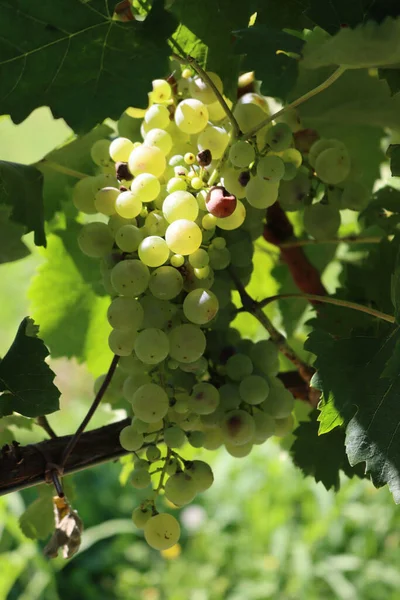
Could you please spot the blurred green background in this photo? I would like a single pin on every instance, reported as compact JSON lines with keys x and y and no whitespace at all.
{"x":262,"y":531}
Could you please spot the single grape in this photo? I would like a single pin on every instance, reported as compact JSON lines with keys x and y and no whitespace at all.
{"x":95,"y":240}
{"x":153,"y":251}
{"x":261,"y":193}
{"x":162,"y":531}
{"x":187,"y":343}
{"x":215,"y":139}
{"x":125,"y":313}
{"x":83,"y":195}
{"x":239,"y":366}
{"x":180,"y":488}
{"x":157,"y":313}
{"x":128,"y":238}
{"x":201,"y":474}
{"x":241,"y":154}
{"x":199,"y":259}
{"x":265,"y":356}
{"x":155,"y":223}
{"x":157,"y":116}
{"x":284,"y":426}
{"x":183,"y":236}
{"x":166,"y":283}
{"x":279,"y":137}
{"x":121,"y":342}
{"x":191,"y":116}
{"x":320,"y":145}
{"x":239,"y":451}
{"x":271,"y":168}
{"x":176,"y":184}
{"x":140,"y":479}
{"x":147,"y":159}
{"x":131,"y":384}
{"x":161,"y":90}
{"x":180,"y":205}
{"x":292,"y":193}
{"x":204,"y":399}
{"x":120,"y":149}
{"x":355,"y":196}
{"x":200,"y":306}
{"x":265,"y":426}
{"x":201,"y":89}
{"x":130,"y":439}
{"x":115,"y":222}
{"x":333,"y":165}
{"x":128,"y":205}
{"x":280,"y":402}
{"x":99,"y":153}
{"x":150,"y":403}
{"x":140,"y":516}
{"x":146,"y":187}
{"x":153,"y":453}
{"x":233,"y":182}
{"x":159,"y":138}
{"x":235,"y":220}
{"x":254,"y":389}
{"x":151,"y":346}
{"x":174,"y":437}
{"x":130,"y":277}
{"x":238,"y":427}
{"x":196,"y":438}
{"x":219,"y":258}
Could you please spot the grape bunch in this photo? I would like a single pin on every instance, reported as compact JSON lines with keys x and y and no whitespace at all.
{"x":180,"y":201}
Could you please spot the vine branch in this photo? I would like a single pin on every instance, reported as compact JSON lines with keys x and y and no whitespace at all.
{"x":350,"y":239}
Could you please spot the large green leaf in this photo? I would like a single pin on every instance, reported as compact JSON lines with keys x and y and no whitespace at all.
{"x":71,"y":56}
{"x":25,"y":377}
{"x":21,"y":189}
{"x":11,"y":246}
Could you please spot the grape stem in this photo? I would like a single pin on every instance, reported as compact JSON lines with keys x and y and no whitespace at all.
{"x":104,"y":386}
{"x":163,"y":472}
{"x":350,"y":239}
{"x":327,"y":300}
{"x":319,"y":88}
{"x":255,"y":308}
{"x":61,"y":168}
{"x":207,"y":79}
{"x":43,"y":422}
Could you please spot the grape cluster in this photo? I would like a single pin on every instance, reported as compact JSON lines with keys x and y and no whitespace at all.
{"x":178,"y":208}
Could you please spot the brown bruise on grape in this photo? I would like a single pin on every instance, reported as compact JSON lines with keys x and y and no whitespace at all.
{"x":220,"y":203}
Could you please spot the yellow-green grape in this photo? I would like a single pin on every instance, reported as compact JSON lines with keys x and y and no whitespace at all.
{"x":231,"y":179}
{"x":128,"y":205}
{"x":153,"y":251}
{"x":209,"y":222}
{"x":191,"y":116}
{"x":130,"y":277}
{"x":140,"y":479}
{"x":293,"y":156}
{"x":83,"y":195}
{"x":248,"y":116}
{"x":183,"y":236}
{"x":120,"y":149}
{"x":146,"y":187}
{"x":238,"y":366}
{"x":216,"y":111}
{"x":200,"y":306}
{"x":229,"y":396}
{"x":196,"y":438}
{"x":153,"y":453}
{"x":333,"y":165}
{"x":280,"y":402}
{"x":174,"y":437}
{"x":239,"y":451}
{"x":147,"y":159}
{"x":279,"y":137}
{"x":271,"y":168}
{"x":238,"y":427}
{"x":199,"y":258}
{"x":187,"y":343}
{"x":202,"y":273}
{"x":99,"y":153}
{"x":130,"y":439}
{"x":150,"y":403}
{"x":265,"y":356}
{"x":254,"y":389}
{"x":201,"y":474}
{"x":105,"y":200}
{"x":204,"y":399}
{"x":260,"y":193}
{"x":176,"y":184}
{"x":165,"y":283}
{"x":155,"y":223}
{"x":159,"y":138}
{"x":213,"y":439}
{"x":241,"y":154}
{"x":180,"y":205}
{"x":197,"y":183}
{"x":157,"y":116}
{"x":202,"y":90}
{"x":95,"y":240}
{"x":121,"y":342}
{"x":128,"y":238}
{"x":189,"y":158}
{"x":215,"y":139}
{"x":257,"y":99}
{"x":161,"y":91}
{"x":323,"y":144}
{"x":180,"y":488}
{"x":131,"y":384}
{"x":219,"y":258}
{"x":177,"y":260}
{"x":115,"y":222}
{"x":265,"y":426}
{"x":151,"y":346}
{"x":140,"y":516}
{"x":162,"y":531}
{"x":284,"y":426}
{"x":235,"y":220}
{"x":125,"y":313}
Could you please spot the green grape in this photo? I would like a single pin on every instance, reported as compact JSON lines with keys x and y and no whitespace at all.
{"x":140,"y":479}
{"x":213,"y":419}
{"x":95,"y":240}
{"x":176,"y":184}
{"x":174,"y":437}
{"x":209,"y":222}
{"x":151,"y":346}
{"x":232,"y":183}
{"x":183,"y":236}
{"x":197,"y":183}
{"x":128,"y":238}
{"x":157,"y":313}
{"x":128,"y":205}
{"x":115,"y":222}
{"x":99,"y":153}
{"x":265,"y":426}
{"x":162,"y":531}
{"x":162,"y":91}
{"x":140,"y":516}
{"x":239,"y":451}
{"x":355,"y":196}
{"x":159,"y":138}
{"x":153,"y":251}
{"x":333,"y":165}
{"x":229,"y":396}
{"x":180,"y":205}
{"x":155,"y":223}
{"x":104,"y":180}
{"x":177,"y":260}
{"x":130,"y":439}
{"x":257,"y":99}
{"x":147,"y":159}
{"x":125,"y":313}
{"x":198,"y":367}
{"x":279,"y":137}
{"x":189,"y":158}
{"x":200,"y":306}
{"x":141,"y":427}
{"x":204,"y":399}
{"x":260,"y":193}
{"x":213,"y":439}
{"x":157,"y":116}
{"x":121,"y":342}
{"x":201,"y":90}
{"x":187,"y":343}
{"x":172,"y":466}
{"x":292,"y":156}
{"x":219,"y":258}
{"x":219,"y":243}
{"x":241,"y":154}
{"x":284,"y":426}
{"x":280,"y":401}
{"x":321,"y":221}
{"x":201,"y":474}
{"x":254,"y":389}
{"x":83,"y":195}
{"x":237,"y":427}
{"x":153,"y":453}
{"x":196,"y":438}
{"x":120,"y":149}
{"x":191,"y":116}
{"x":199,"y":259}
{"x":180,"y":488}
{"x":293,"y":193}
{"x":130,"y":364}
{"x":130,"y":277}
{"x":150,"y":403}
{"x":271,"y":168}
{"x":133,"y":383}
{"x":235,"y":220}
{"x":215,"y":139}
{"x":320,"y":145}
{"x":248,"y":116}
{"x":290,"y":172}
{"x":140,"y":463}
{"x":265,"y":356}
{"x":165,"y":283}
{"x":146,"y":187}
{"x":239,"y":366}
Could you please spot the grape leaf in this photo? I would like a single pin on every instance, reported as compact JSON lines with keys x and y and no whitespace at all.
{"x":265,"y":51}
{"x":352,"y":371}
{"x":37,"y":521}
{"x":392,"y":77}
{"x":25,"y":377}
{"x":394,"y":154}
{"x":280,"y":15}
{"x":368,"y":45}
{"x":76,"y":156}
{"x":72,"y":56}
{"x":64,"y":301}
{"x":386,"y":200}
{"x":11,"y":245}
{"x":21,"y":189}
{"x":322,"y":456}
